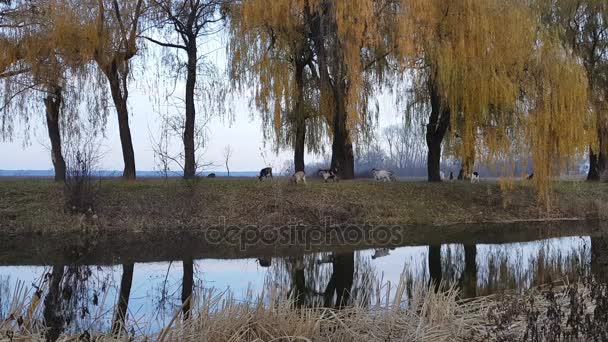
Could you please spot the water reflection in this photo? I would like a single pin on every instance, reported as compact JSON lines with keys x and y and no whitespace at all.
{"x":124,"y":293}
{"x":79,"y":299}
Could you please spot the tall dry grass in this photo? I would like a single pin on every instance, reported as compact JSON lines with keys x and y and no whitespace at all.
{"x":569,"y":312}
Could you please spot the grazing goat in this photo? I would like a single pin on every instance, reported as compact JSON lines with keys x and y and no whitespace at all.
{"x":211,"y":175}
{"x":380,"y":252}
{"x":383,"y":175}
{"x":298,"y":177}
{"x":265,"y":262}
{"x":328,"y":174}
{"x":475,"y":177}
{"x":326,"y":259}
{"x":265,"y":173}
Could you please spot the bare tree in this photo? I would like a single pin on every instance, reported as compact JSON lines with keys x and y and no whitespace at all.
{"x":171,"y":129}
{"x":227,"y":156}
{"x":182,"y":25}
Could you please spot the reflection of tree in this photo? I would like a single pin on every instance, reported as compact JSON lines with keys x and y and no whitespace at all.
{"x":120,"y":315}
{"x":507,"y":269}
{"x":599,"y":258}
{"x":435,"y":266}
{"x":469,"y":276}
{"x":53,"y":314}
{"x":323,"y":279}
{"x":299,"y":290}
{"x":187,"y":285}
{"x":341,"y":281}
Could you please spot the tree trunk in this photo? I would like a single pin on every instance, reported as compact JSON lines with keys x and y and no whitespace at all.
{"x":434,"y":159}
{"x":341,"y":280}
{"x":53,"y":319}
{"x":187,"y":285}
{"x":469,"y":281}
{"x":435,"y":266}
{"x":598,"y":160}
{"x":593,"y":174}
{"x":299,"y":284}
{"x":189,"y":149}
{"x":599,"y":258}
{"x":120,"y":316}
{"x":300,"y":120}
{"x":120,"y":94}
{"x":602,"y":159}
{"x":342,"y":157}
{"x":52,"y":104}
{"x":300,"y":144}
{"x":439,"y":121}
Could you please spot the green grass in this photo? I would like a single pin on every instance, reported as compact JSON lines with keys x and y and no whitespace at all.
{"x":28,"y":205}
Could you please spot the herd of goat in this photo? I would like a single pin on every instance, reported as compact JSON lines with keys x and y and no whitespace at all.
{"x":378,"y":175}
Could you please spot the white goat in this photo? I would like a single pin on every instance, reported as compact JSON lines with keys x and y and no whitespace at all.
{"x":298,"y":177}
{"x":383,"y":175}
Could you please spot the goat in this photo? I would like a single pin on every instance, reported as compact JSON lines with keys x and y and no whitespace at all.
{"x":383,"y":175}
{"x":530,"y":176}
{"x":265,"y":262}
{"x":265,"y":173}
{"x":211,"y":175}
{"x":298,"y":177}
{"x":380,"y":252}
{"x":328,"y":174}
{"x":326,"y":259}
{"x":475,"y":177}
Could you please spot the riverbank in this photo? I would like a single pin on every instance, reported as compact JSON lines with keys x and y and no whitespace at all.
{"x":38,"y":206}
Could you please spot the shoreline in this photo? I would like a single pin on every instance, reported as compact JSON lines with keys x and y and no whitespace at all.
{"x":38,"y":206}
{"x":107,"y":248}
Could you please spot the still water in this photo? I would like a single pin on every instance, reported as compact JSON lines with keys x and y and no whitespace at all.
{"x":90,"y":292}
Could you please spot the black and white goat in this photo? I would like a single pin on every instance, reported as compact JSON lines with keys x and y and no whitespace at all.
{"x":475,"y":177}
{"x":328,"y":174}
{"x":383,"y":175}
{"x":265,"y":173}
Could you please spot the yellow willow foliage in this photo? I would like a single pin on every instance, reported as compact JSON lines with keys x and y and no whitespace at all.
{"x":266,"y":38}
{"x":356,"y":29}
{"x":52,"y":31}
{"x":508,"y":86}
{"x":559,"y":124}
{"x":478,"y":51}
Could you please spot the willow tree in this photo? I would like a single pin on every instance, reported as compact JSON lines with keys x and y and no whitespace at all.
{"x":583,"y":27}
{"x":351,"y":41}
{"x":37,"y":60}
{"x":111,"y":30}
{"x":183,"y":25}
{"x":466,"y":56}
{"x":271,"y":53}
{"x":486,"y":72}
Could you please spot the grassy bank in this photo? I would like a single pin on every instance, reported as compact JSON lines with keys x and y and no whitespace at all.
{"x":38,"y":205}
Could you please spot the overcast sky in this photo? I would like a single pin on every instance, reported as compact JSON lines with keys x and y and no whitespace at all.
{"x":244,"y":134}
